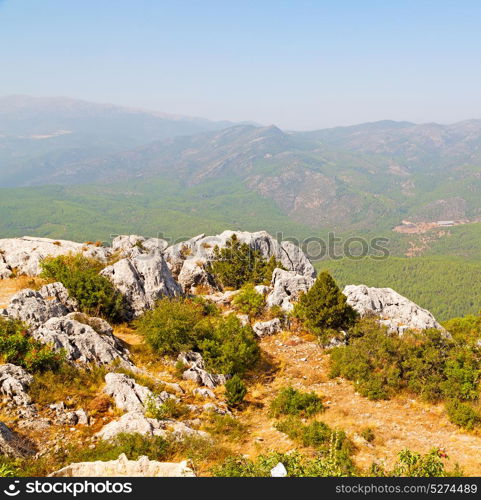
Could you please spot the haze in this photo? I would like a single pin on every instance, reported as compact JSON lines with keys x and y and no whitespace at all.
{"x":298,"y":64}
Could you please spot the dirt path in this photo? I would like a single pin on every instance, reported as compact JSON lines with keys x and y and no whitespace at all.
{"x":399,"y":423}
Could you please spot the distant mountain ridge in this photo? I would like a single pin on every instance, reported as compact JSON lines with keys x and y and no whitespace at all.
{"x":365,"y":177}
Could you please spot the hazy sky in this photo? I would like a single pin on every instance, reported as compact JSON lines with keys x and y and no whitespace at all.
{"x":298,"y":64}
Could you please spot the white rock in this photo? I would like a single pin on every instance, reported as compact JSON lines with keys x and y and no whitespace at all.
{"x":24,"y":254}
{"x":196,"y":370}
{"x":36,"y":307}
{"x":14,"y":383}
{"x":122,"y":467}
{"x":13,"y":445}
{"x":143,"y":280}
{"x":130,"y":396}
{"x":82,"y":343}
{"x":287,"y":286}
{"x":395,"y":311}
{"x":134,"y":245}
{"x":203,"y":392}
{"x":264,"y":328}
{"x":279,"y":470}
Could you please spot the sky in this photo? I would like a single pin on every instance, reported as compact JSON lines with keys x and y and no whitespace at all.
{"x":297,"y":64}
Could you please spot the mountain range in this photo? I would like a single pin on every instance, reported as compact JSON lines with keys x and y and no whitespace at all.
{"x":360,"y":178}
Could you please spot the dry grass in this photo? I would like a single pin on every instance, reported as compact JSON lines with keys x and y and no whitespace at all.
{"x":10,"y":287}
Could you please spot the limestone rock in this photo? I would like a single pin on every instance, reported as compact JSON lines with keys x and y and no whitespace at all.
{"x":24,"y":254}
{"x":134,"y":245}
{"x":287,"y":286}
{"x":63,"y":416}
{"x":122,"y":467}
{"x":36,"y":307}
{"x":14,"y":383}
{"x":264,"y":328}
{"x":143,"y":280}
{"x":203,"y":392}
{"x":194,"y":276}
{"x":395,"y":311}
{"x":196,"y":370}
{"x":130,"y":396}
{"x":82,"y":343}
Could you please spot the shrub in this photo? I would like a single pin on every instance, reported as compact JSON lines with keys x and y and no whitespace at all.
{"x":226,"y":426}
{"x":170,"y":327}
{"x":235,"y":391}
{"x":411,"y":464}
{"x":290,"y":401}
{"x":249,"y":301}
{"x":238,"y":264}
{"x":94,"y":293}
{"x":324,"y":307}
{"x":17,"y":347}
{"x":368,"y":434}
{"x":229,"y":347}
{"x":296,"y":465}
{"x":462,"y":414}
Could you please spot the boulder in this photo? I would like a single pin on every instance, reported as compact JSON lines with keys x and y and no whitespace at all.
{"x":287,"y":286}
{"x":101,"y":326}
{"x":137,"y":423}
{"x":187,"y":260}
{"x":203,"y":392}
{"x":264,"y":328}
{"x":5,"y":271}
{"x":142,"y":280}
{"x":395,"y":311}
{"x":82,"y":343}
{"x":14,"y":383}
{"x":122,"y":467}
{"x":196,"y":370}
{"x":130,"y":396}
{"x":34,"y":308}
{"x":13,"y":445}
{"x":63,"y":416}
{"x":25,"y":254}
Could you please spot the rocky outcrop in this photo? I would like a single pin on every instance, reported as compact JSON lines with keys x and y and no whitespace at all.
{"x":287,"y":286}
{"x":14,"y":383}
{"x":130,"y":396}
{"x":137,"y":423}
{"x":196,"y":370}
{"x":134,"y":245}
{"x":188,"y":260}
{"x":25,"y":254}
{"x":142,"y":280}
{"x":64,"y":416}
{"x":12,"y":445}
{"x":82,"y":343}
{"x":122,"y":467}
{"x":34,"y":308}
{"x":265,"y":328}
{"x":395,"y":311}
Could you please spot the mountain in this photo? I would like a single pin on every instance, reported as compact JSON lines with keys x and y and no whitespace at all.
{"x":39,"y":135}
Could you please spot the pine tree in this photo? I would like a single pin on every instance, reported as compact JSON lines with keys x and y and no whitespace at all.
{"x":324,"y":307}
{"x":235,"y":391}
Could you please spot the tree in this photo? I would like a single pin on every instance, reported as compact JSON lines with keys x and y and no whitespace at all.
{"x":238,"y":263}
{"x":324,"y":307}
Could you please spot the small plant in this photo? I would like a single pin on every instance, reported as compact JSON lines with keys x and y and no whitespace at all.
{"x":235,"y":391}
{"x":368,"y":434}
{"x":249,"y":301}
{"x":290,"y":401}
{"x":226,"y":426}
{"x":411,"y":464}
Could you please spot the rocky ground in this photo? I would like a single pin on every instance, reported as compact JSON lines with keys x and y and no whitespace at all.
{"x":119,"y":379}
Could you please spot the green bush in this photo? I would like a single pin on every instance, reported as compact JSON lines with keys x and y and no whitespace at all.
{"x":290,"y":401}
{"x":428,"y":364}
{"x":170,"y":408}
{"x":411,"y":464}
{"x":235,"y":391}
{"x":228,"y":346}
{"x":17,"y":347}
{"x":324,"y":307}
{"x":94,"y":293}
{"x":249,"y":301}
{"x":238,"y":264}
{"x":463,"y":414}
{"x":296,"y":465}
{"x":170,"y":327}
